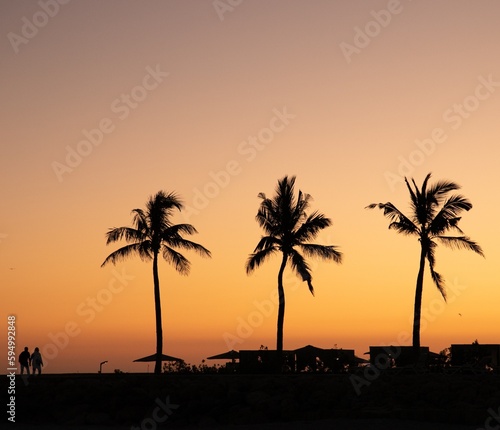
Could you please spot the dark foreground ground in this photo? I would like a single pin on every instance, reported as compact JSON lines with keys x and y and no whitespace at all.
{"x":133,"y":401}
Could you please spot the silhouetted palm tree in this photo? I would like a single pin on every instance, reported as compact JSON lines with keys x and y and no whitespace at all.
{"x":152,"y":233}
{"x":287,"y":227}
{"x":433,"y":213}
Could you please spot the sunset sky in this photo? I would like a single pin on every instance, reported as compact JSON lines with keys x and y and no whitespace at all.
{"x":106,"y":103}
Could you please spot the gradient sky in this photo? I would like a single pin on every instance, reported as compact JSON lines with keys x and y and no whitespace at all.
{"x":217,"y":102}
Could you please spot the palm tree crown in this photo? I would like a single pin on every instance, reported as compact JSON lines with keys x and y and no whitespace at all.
{"x":287,"y":225}
{"x":153,"y":232}
{"x":288,"y":229}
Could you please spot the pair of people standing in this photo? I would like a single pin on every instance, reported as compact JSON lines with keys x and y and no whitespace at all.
{"x":35,"y":360}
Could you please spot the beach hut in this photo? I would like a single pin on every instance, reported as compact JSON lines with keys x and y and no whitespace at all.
{"x":313,"y":359}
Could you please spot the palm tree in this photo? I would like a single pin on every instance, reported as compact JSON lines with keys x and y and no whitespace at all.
{"x":434,"y":212}
{"x":153,"y":232}
{"x":287,"y":227}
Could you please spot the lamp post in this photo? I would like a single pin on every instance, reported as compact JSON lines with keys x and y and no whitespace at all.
{"x":100,"y":365}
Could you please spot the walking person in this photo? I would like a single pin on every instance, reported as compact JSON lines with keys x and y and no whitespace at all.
{"x":36,"y":361}
{"x":25,"y":360}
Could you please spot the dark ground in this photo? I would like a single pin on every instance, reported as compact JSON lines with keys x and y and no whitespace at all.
{"x":392,"y":401}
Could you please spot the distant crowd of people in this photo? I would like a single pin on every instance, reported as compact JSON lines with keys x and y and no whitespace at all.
{"x":27,"y":360}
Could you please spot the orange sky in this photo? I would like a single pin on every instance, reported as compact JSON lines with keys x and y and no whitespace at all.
{"x":104,"y":104}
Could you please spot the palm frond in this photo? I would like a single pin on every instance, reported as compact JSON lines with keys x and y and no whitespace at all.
{"x":440,"y":224}
{"x":165,"y":201}
{"x":171,"y":236}
{"x":300,"y":266}
{"x":447,"y":217}
{"x":327,"y":252}
{"x":390,"y":211}
{"x":127,"y":233}
{"x":454,"y":224}
{"x":440,"y":188}
{"x":126,"y":251}
{"x":399,"y":221}
{"x":436,"y":277}
{"x":460,"y":242}
{"x":300,"y":207}
{"x":424,"y":184}
{"x":456,"y":204}
{"x":267,"y":216}
{"x":414,"y":194}
{"x":421,"y":204}
{"x":181,"y":229}
{"x":140,"y":220}
{"x":310,"y":286}
{"x":257,"y":258}
{"x":188,"y":245}
{"x":180,"y":263}
{"x":310,"y":228}
{"x":268,"y":242}
{"x":439,"y":282}
{"x":145,"y":250}
{"x":404,"y":227}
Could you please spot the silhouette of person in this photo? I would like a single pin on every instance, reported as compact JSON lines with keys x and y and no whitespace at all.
{"x":36,"y":361}
{"x":25,"y":360}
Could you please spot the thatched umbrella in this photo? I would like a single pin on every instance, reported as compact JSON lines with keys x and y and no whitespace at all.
{"x":229,"y":355}
{"x":164,"y":357}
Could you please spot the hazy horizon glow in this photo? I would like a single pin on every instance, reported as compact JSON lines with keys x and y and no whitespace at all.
{"x":104,"y":104}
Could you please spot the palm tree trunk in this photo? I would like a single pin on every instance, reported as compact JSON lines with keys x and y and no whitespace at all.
{"x":418,"y":303}
{"x":281,"y":308}
{"x":159,"y":332}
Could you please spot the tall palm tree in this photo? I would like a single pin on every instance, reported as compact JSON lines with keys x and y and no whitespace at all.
{"x":153,"y":232}
{"x":434,"y":213}
{"x":287,"y":227}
